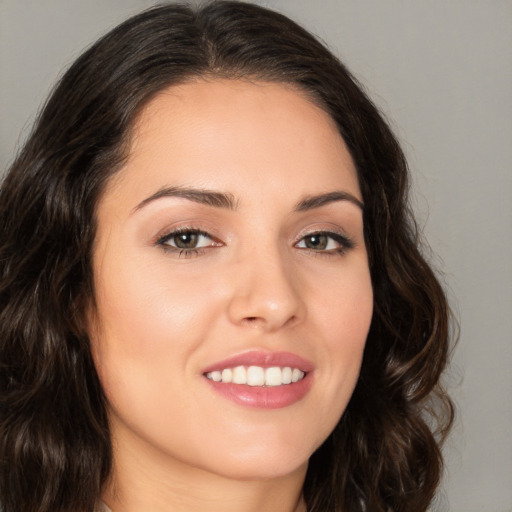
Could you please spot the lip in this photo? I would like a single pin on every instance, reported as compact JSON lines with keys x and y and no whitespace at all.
{"x":263,"y":397}
{"x":263,"y":359}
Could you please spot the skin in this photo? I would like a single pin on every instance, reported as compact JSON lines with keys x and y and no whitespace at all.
{"x":256,"y":283}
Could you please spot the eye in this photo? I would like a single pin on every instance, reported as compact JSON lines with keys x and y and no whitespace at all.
{"x":187,"y":241}
{"x":324,"y":241}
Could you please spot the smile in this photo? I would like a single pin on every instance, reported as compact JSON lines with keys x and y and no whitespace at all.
{"x":262,"y":380}
{"x":257,"y":375}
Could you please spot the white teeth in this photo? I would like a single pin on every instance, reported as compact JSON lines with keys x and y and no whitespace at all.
{"x":216,"y":376}
{"x":227,"y":375}
{"x":239,"y":375}
{"x":273,"y":376}
{"x":297,"y":375}
{"x":257,"y":376}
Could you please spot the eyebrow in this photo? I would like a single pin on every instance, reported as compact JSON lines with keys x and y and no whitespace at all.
{"x":228,"y":201}
{"x":206,"y":197}
{"x":317,"y":201}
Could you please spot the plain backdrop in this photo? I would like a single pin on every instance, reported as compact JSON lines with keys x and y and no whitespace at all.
{"x":441,"y":70}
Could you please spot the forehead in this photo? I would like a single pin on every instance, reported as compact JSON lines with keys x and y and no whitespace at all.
{"x":228,"y":134}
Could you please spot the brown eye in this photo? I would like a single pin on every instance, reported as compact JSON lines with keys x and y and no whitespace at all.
{"x":317,"y":241}
{"x":186,"y":240}
{"x":326,"y":242}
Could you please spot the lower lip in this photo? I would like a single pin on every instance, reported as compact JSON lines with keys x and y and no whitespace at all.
{"x":262,"y":397}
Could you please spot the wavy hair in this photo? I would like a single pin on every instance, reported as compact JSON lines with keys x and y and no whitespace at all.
{"x":55,"y":447}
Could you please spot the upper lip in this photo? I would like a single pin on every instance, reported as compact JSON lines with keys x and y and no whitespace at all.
{"x":263,"y":359}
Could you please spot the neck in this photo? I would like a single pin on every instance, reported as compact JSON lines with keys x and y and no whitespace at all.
{"x":151,"y":482}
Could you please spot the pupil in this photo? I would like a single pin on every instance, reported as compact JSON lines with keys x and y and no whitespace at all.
{"x":186,"y":240}
{"x":316,"y":242}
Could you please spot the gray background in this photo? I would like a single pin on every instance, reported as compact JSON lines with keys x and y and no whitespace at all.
{"x":441,"y":70}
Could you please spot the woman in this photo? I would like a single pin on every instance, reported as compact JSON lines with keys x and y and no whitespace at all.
{"x":212,"y":296}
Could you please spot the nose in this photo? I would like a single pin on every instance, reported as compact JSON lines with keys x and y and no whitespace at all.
{"x":266,"y":294}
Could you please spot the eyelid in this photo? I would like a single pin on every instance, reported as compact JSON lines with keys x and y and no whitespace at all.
{"x":162,"y":239}
{"x":177,"y":228}
{"x":338,"y":235}
{"x":346,"y":242}
{"x":170,"y":234}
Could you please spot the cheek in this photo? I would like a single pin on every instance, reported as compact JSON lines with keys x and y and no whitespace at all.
{"x":345,"y":315}
{"x":347,"y":307}
{"x":147,"y":326}
{"x":148,"y":323}
{"x":144,"y":305}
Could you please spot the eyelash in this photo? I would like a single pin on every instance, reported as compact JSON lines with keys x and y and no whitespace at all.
{"x":345,"y":243}
{"x":183,"y":253}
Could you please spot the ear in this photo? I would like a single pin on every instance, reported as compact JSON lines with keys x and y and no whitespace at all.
{"x":85,"y":321}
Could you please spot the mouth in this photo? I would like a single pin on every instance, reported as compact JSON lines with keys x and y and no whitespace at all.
{"x":260,"y":379}
{"x":257,"y":375}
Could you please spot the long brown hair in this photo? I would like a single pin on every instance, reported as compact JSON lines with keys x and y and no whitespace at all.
{"x":55,"y":451}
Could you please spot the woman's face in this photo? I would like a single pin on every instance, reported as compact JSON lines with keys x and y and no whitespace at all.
{"x":230,"y":247}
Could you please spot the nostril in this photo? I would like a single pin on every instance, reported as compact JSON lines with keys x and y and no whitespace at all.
{"x":253,"y":321}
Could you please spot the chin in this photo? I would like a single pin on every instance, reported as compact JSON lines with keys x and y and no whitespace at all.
{"x":260,"y":458}
{"x":261,"y":468}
